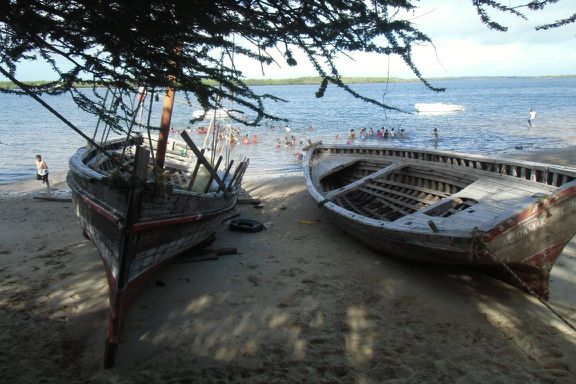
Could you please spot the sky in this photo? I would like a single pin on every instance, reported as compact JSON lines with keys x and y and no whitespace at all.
{"x":463,"y":46}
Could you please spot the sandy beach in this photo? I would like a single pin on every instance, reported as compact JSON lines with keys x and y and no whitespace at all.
{"x":300,"y":302}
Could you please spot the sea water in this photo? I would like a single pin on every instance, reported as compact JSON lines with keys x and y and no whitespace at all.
{"x":495,"y":121}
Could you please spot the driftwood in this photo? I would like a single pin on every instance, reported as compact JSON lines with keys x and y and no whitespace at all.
{"x":226,"y":251}
{"x":207,"y":255}
{"x":56,"y":199}
{"x":248,"y":200}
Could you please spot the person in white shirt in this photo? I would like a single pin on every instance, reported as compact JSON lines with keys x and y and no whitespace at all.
{"x":531,"y":117}
{"x":42,"y":171}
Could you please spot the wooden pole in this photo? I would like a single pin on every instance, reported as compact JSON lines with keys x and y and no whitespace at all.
{"x":202,"y":159}
{"x":195,"y":173}
{"x":165,"y":121}
{"x":225,"y":176}
{"x":236,"y":172}
{"x":211,"y":178}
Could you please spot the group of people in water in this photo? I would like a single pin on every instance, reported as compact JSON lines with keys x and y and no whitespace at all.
{"x":233,"y":135}
{"x":380,"y":134}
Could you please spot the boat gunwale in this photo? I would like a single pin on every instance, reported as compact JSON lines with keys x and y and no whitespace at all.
{"x":350,"y":148}
{"x":80,"y":169}
{"x":555,"y":193}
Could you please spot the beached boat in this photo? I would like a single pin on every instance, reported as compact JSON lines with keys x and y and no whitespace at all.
{"x":438,"y":107}
{"x":142,"y":202}
{"x":510,"y":218}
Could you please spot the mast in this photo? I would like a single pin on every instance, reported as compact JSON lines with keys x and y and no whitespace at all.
{"x":167,"y":107}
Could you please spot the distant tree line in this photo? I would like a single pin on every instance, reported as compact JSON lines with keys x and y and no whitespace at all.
{"x":192,"y":45}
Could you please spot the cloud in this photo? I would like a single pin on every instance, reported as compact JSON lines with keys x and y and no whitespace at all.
{"x":463,"y":46}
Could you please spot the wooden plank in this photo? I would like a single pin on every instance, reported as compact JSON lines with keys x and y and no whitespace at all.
{"x":413,"y":187}
{"x":328,"y":165}
{"x":390,"y":199}
{"x":237,"y":171}
{"x":355,"y":208}
{"x":203,"y":160}
{"x":519,"y":185}
{"x":195,"y":172}
{"x":226,"y":174}
{"x":431,"y":174}
{"x":498,"y":197}
{"x":394,"y":207}
{"x":488,"y":194}
{"x":242,"y":172}
{"x":402,"y":194}
{"x":508,"y":187}
{"x":211,"y":178}
{"x":360,"y":182}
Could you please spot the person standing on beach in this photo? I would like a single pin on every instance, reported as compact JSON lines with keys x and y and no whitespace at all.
{"x":42,"y":171}
{"x":531,"y":117}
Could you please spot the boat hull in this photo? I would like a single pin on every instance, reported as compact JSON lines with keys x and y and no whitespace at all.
{"x":518,"y":245}
{"x":530,"y":255}
{"x":139,"y":226}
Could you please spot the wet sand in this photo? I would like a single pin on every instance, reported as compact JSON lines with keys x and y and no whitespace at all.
{"x":299,"y":303}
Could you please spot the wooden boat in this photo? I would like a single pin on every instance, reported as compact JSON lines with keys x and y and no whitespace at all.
{"x":139,"y":219}
{"x":438,"y":107}
{"x":510,"y":218}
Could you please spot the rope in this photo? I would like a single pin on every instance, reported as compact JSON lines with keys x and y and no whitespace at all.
{"x":26,"y":89}
{"x":531,"y":292}
{"x":474,"y":255}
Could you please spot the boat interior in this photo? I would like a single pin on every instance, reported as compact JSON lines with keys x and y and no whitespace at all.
{"x":181,"y":166}
{"x":388,"y":192}
{"x":411,"y":192}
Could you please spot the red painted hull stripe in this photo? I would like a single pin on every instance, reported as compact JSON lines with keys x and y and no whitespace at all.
{"x":101,"y":210}
{"x":547,"y":256}
{"x":144,"y":225}
{"x":141,"y":226}
{"x":536,"y":210}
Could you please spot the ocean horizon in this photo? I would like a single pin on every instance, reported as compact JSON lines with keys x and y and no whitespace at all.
{"x":494,"y":121}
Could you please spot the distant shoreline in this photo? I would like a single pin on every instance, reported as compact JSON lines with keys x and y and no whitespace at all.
{"x":315,"y":80}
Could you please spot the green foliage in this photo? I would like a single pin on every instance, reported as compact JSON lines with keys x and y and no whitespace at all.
{"x":193,"y":45}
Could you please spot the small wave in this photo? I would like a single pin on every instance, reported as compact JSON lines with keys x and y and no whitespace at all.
{"x":12,"y":176}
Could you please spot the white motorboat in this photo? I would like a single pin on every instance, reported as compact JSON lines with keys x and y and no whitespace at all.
{"x":438,"y":107}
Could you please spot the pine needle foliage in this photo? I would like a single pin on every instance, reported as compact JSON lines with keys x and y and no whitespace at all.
{"x":192,"y":45}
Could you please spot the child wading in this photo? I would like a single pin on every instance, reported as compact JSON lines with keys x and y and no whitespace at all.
{"x":42,"y":171}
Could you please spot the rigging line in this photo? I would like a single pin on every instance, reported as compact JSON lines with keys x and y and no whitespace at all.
{"x":140,"y":100}
{"x":525,"y":285}
{"x":99,"y":116}
{"x":26,"y":89}
{"x":148,"y":126}
{"x":542,"y":301}
{"x":113,"y":107}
